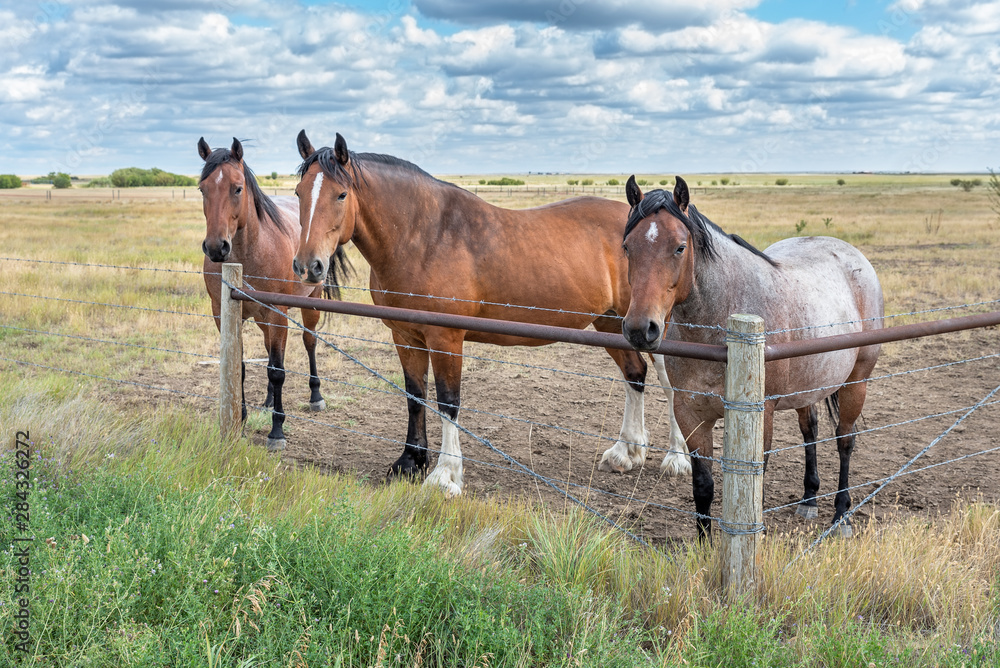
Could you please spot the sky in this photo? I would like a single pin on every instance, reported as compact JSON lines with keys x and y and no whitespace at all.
{"x":505,"y":86}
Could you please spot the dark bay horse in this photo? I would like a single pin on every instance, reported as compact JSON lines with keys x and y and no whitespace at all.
{"x":685,"y":269}
{"x":424,"y":236}
{"x":245,"y":225}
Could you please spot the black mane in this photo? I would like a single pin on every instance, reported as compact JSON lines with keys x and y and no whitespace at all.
{"x":332,"y":168}
{"x":698,"y":225}
{"x":264,"y":205}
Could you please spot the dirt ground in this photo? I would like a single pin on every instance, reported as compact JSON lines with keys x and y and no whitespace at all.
{"x":362,"y":430}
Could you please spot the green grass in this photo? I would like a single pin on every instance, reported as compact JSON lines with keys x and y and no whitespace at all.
{"x":170,"y":546}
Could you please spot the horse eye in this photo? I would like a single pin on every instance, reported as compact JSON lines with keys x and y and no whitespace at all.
{"x":342,"y":197}
{"x":239,"y":189}
{"x":680,"y":251}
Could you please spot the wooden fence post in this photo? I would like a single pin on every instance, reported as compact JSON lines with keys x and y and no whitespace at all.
{"x":231,"y":363}
{"x":743,"y":452}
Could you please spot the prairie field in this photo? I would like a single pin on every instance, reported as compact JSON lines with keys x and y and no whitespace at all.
{"x":106,"y":356}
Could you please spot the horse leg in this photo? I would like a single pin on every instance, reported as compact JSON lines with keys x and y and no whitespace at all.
{"x":276,"y":379}
{"x":702,"y":450}
{"x":676,"y":461}
{"x":269,"y":399}
{"x":809,"y":426}
{"x":852,"y":399}
{"x":414,"y":360}
{"x":310,"y":319}
{"x":447,"y":382}
{"x":630,"y":449}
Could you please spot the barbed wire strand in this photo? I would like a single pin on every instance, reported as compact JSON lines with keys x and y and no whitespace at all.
{"x":125,"y":306}
{"x":719,"y":328}
{"x":108,"y":341}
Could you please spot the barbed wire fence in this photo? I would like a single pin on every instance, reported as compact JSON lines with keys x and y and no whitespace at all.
{"x":501,"y":461}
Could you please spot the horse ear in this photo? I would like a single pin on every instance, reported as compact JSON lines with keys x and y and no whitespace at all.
{"x":632,"y":191}
{"x":237,"y":149}
{"x":305,"y":146}
{"x":204,"y":150}
{"x":340,"y":150}
{"x":681,"y":195}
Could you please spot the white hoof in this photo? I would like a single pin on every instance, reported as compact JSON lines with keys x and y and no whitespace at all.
{"x":676,"y":463}
{"x":808,"y":512}
{"x":845,"y":530}
{"x":616,"y":459}
{"x":274,"y":444}
{"x":447,"y":480}
{"x":317,"y":406}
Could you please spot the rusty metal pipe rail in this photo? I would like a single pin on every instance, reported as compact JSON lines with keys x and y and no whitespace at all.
{"x":528,"y":330}
{"x":690,"y":350}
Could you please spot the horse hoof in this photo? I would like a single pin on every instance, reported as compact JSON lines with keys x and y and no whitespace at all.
{"x":808,"y":512}
{"x":317,"y":406}
{"x":844,"y":530}
{"x":675,"y":463}
{"x":275,"y":444}
{"x":615,"y":462}
{"x":443,"y":479}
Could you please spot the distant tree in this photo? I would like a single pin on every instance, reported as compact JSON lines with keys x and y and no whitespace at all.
{"x":724,"y":180}
{"x":612,"y":182}
{"x":664,"y":182}
{"x":10,"y":181}
{"x":573,"y":182}
{"x":505,"y":181}
{"x":274,"y":176}
{"x":841,"y":182}
{"x":956,"y":182}
{"x":993,"y":192}
{"x":642,"y":182}
{"x":133,"y":177}
{"x":781,"y":182}
{"x":62,"y":180}
{"x":587,"y":182}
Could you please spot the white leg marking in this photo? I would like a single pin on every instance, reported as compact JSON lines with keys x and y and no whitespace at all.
{"x":676,"y":461}
{"x":625,"y":455}
{"x":317,"y":186}
{"x":448,"y":473}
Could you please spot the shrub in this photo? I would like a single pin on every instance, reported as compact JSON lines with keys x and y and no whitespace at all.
{"x":612,"y":182}
{"x":956,"y":182}
{"x":993,"y":188}
{"x":62,"y":180}
{"x":133,"y":177}
{"x":664,"y":182}
{"x":714,"y":182}
{"x":967,"y":184}
{"x":642,"y":182}
{"x":10,"y":181}
{"x":587,"y":182}
{"x":841,"y":182}
{"x":799,"y":226}
{"x":505,"y":181}
{"x":482,"y":182}
{"x":274,"y":176}
{"x":781,"y":182}
{"x":724,"y":181}
{"x":99,"y":182}
{"x":573,"y":182}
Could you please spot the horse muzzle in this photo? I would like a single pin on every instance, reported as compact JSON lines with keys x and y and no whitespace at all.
{"x":217,"y":251}
{"x":312,"y":274}
{"x":643,"y":335}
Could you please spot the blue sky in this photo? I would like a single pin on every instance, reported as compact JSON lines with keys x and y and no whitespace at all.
{"x":505,"y":85}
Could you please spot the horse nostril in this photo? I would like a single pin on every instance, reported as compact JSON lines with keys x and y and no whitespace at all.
{"x":225,"y":248}
{"x":653,"y":332}
{"x":316,"y":268}
{"x":296,"y":267}
{"x":204,"y":247}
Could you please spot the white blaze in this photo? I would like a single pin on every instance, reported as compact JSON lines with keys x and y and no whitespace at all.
{"x":218,"y":178}
{"x":652,"y":232}
{"x":317,"y":186}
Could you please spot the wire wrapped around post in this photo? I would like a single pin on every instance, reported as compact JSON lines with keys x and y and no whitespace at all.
{"x":743,"y":452}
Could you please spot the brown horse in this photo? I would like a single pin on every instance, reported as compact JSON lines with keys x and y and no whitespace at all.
{"x":245,"y":225}
{"x":423,"y":236}
{"x":685,"y":269}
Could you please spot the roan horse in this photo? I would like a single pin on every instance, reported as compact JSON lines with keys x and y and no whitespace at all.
{"x":245,"y":225}
{"x":685,"y":269}
{"x":423,"y":236}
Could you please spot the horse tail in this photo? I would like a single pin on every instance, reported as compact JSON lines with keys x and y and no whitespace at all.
{"x":833,"y":407}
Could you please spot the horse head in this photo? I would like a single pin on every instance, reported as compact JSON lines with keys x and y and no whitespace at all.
{"x":224,"y":197}
{"x":328,"y":206}
{"x":660,"y":252}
